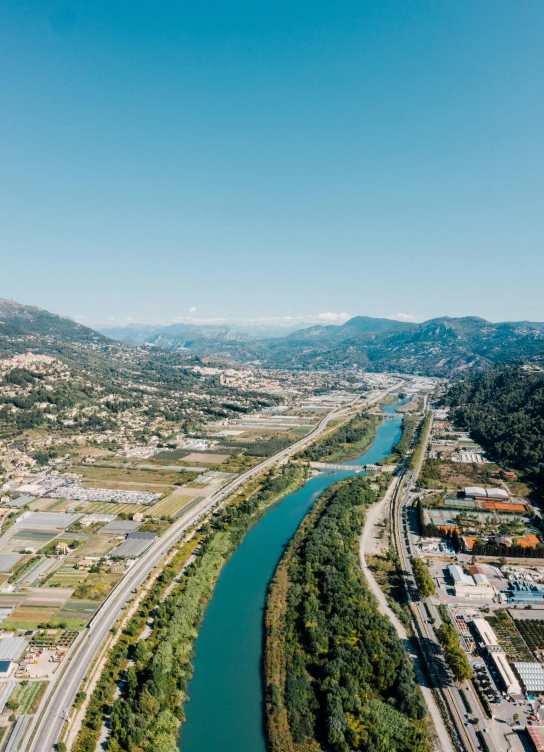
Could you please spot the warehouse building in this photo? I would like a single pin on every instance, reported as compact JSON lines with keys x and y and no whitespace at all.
{"x":497,"y":655}
{"x":135,"y":544}
{"x":475,"y":492}
{"x":466,"y":586}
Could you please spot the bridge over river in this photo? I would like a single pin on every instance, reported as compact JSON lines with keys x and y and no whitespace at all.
{"x":348,"y":468}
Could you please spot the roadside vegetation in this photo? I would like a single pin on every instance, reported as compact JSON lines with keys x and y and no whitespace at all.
{"x":454,"y":654}
{"x":424,"y":581}
{"x":386,"y":569}
{"x":149,"y":712}
{"x":337,"y":676}
{"x":420,"y":446}
{"x":346,"y":442}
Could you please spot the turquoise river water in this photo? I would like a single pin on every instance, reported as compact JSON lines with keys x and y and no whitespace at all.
{"x":225,"y":712}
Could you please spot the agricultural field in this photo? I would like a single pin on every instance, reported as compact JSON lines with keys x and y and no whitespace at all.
{"x":66,"y":576}
{"x":52,"y":505}
{"x":132,"y":475}
{"x":107,"y":507}
{"x":62,"y":637}
{"x":532,"y":631}
{"x":509,"y":637}
{"x":171,"y":506}
{"x":28,"y":617}
{"x":28,"y":695}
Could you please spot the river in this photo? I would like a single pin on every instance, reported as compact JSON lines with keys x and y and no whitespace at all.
{"x":225,"y":712}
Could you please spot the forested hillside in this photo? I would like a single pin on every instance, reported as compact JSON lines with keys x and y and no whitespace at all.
{"x":338,"y":678}
{"x":503,"y":408}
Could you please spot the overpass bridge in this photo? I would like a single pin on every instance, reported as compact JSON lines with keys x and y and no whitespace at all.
{"x":349,"y":468}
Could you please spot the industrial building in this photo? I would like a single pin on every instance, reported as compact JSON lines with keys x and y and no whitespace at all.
{"x":467,"y":586}
{"x":135,"y":544}
{"x":475,"y":492}
{"x":497,"y":655}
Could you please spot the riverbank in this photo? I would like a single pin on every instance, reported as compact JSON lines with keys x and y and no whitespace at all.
{"x":227,"y":685}
{"x":317,"y":646}
{"x":157,"y":676}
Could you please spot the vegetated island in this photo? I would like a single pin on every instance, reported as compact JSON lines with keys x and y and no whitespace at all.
{"x":349,"y":441}
{"x":336,"y":675}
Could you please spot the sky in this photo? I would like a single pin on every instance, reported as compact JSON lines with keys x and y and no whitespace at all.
{"x":276,"y":161}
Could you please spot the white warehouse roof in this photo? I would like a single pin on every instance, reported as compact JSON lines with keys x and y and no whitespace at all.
{"x":531,"y":675}
{"x":497,"y":493}
{"x":486,"y":632}
{"x":475,"y":491}
{"x":458,"y":576}
{"x":481,"y":580}
{"x":508,"y":676}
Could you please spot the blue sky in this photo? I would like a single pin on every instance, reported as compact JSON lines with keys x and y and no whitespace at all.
{"x":172,"y":159}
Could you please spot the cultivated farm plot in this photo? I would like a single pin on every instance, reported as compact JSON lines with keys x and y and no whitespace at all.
{"x":28,"y":617}
{"x":171,"y":506}
{"x":29,"y":696}
{"x":105,"y":507}
{"x":532,"y":631}
{"x":102,"y":476}
{"x":48,"y":597}
{"x":79,"y":608}
{"x":66,"y":577}
{"x":509,"y":637}
{"x":57,"y":505}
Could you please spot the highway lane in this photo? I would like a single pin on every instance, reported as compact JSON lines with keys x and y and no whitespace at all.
{"x":45,"y":730}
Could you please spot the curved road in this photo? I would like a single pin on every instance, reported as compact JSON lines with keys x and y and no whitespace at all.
{"x":45,"y":730}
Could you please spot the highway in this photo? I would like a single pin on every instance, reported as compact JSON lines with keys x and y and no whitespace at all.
{"x":45,"y":730}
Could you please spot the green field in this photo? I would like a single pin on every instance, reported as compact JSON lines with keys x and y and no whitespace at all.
{"x":170,"y":506}
{"x":77,"y":607}
{"x":105,"y":507}
{"x":68,"y":577}
{"x":70,"y":623}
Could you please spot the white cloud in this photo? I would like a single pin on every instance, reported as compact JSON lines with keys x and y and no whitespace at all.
{"x":287,"y":322}
{"x":404,"y":317}
{"x":333,"y":318}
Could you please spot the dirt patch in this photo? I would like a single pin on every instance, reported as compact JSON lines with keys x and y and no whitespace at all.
{"x":96,"y":546}
{"x":206,"y":459}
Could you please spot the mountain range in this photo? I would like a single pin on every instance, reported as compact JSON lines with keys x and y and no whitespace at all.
{"x":441,"y":346}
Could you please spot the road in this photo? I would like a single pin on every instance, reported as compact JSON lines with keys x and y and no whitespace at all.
{"x":368,"y":545}
{"x":45,"y":730}
{"x":429,"y":643}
